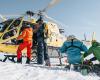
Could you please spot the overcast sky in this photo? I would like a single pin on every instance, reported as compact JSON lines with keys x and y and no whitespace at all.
{"x":80,"y":16}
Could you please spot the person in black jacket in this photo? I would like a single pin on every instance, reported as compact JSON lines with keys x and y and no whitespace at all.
{"x":42,"y":50}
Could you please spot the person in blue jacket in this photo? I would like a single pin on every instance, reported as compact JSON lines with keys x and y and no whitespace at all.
{"x":73,"y":47}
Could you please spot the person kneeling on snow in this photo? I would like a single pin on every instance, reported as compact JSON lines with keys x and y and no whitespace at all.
{"x":95,"y":49}
{"x":73,"y":47}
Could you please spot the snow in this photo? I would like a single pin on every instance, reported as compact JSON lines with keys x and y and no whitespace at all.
{"x":14,"y":71}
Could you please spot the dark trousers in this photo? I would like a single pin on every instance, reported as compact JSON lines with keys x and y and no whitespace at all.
{"x":42,"y":52}
{"x":46,"y":56}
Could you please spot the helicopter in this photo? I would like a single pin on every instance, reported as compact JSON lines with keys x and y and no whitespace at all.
{"x":11,"y":28}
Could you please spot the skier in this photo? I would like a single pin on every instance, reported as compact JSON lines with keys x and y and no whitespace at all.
{"x":73,"y":47}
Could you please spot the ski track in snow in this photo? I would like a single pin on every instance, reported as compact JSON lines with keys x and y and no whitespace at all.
{"x":14,"y":71}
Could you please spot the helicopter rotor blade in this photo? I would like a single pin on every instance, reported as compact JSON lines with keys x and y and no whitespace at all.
{"x":51,"y":4}
{"x":85,"y":37}
{"x":60,"y":25}
{"x":12,"y":15}
{"x":2,"y":17}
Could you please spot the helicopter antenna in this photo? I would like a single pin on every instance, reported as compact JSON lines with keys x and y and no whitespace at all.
{"x":85,"y":37}
{"x":93,"y":36}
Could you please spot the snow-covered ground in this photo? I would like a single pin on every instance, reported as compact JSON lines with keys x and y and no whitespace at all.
{"x":14,"y":71}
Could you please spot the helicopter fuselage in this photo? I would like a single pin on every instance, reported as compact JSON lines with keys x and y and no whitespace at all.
{"x":11,"y":28}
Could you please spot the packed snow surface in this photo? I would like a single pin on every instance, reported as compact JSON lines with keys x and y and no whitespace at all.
{"x":14,"y":71}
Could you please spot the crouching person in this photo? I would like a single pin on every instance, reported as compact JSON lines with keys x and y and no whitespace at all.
{"x":73,"y":47}
{"x":95,"y":50}
{"x":26,"y":35}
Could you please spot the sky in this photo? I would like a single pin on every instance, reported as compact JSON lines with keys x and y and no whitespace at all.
{"x":78,"y":16}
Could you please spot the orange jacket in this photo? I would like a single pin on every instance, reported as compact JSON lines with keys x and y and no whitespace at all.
{"x":26,"y":35}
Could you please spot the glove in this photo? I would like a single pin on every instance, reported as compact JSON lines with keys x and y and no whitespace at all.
{"x":19,"y":41}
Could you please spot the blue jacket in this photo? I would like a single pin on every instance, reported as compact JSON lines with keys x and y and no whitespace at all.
{"x":73,"y":51}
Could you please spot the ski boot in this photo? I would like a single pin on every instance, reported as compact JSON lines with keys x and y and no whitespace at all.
{"x":28,"y":61}
{"x":47,"y":62}
{"x":19,"y":60}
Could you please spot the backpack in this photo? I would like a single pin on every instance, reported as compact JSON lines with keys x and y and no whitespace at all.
{"x":72,"y":45}
{"x":46,"y":33}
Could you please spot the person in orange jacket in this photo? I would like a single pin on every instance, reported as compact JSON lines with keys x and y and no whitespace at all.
{"x":26,"y":35}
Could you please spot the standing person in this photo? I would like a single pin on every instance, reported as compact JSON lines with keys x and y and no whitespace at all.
{"x":73,"y":47}
{"x":26,"y":35}
{"x":95,"y":50}
{"x":42,"y":51}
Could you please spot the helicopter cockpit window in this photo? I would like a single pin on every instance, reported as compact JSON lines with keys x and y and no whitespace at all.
{"x":11,"y":31}
{"x":10,"y":34}
{"x":11,"y":28}
{"x":4,"y":25}
{"x":14,"y":24}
